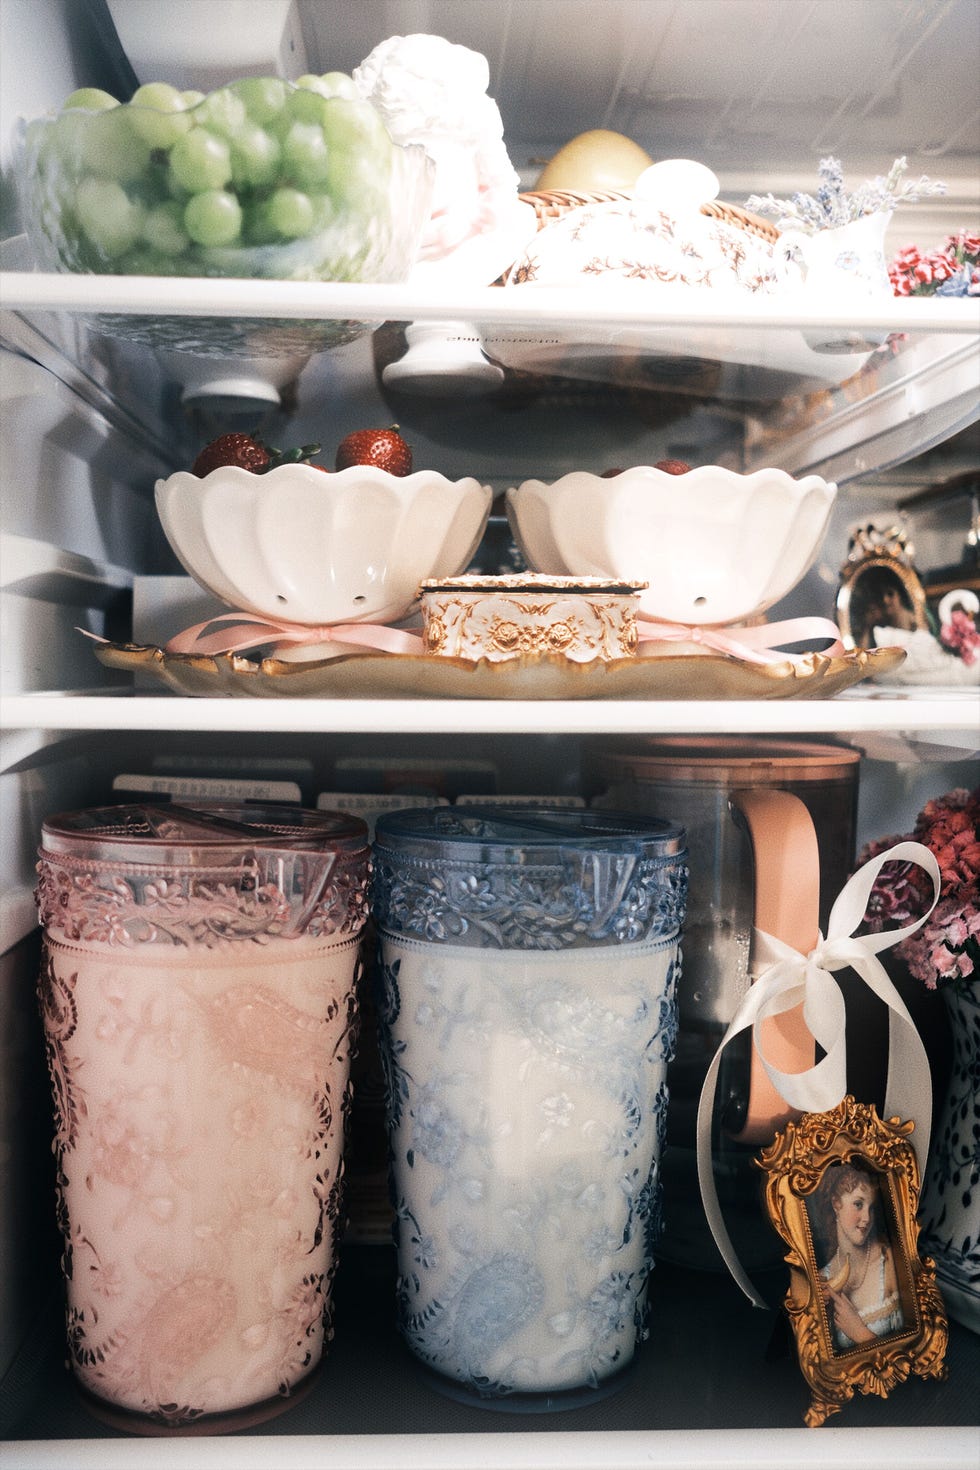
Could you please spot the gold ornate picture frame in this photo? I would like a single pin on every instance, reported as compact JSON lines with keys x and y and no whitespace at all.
{"x":842,"y":1190}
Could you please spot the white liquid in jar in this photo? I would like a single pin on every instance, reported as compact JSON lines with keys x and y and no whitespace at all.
{"x":527,"y":1102}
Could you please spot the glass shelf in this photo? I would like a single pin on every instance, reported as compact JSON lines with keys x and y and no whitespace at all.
{"x":690,"y":1402}
{"x":772,"y":365}
{"x":950,"y":716}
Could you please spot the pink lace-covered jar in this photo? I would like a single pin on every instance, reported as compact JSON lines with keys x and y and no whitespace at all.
{"x":197,"y":993}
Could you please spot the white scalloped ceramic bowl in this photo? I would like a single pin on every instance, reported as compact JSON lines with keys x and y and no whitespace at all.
{"x":714,"y":546}
{"x":308,"y":547}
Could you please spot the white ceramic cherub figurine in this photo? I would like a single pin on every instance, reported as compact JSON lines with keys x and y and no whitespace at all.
{"x":433,"y":92}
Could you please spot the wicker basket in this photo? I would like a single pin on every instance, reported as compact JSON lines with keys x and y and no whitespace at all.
{"x":551,"y":204}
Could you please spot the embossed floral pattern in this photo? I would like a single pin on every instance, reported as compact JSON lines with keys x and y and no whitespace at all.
{"x":200,"y":1095}
{"x":82,"y":901}
{"x":637,"y":242}
{"x":499,"y":624}
{"x":529,"y":908}
{"x":527,"y":1101}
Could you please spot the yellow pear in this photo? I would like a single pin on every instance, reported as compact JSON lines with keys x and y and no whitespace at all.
{"x":838,"y":1281}
{"x":595,"y":161}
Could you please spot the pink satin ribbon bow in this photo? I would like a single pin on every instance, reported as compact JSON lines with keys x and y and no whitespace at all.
{"x":253,"y":629}
{"x":758,"y":645}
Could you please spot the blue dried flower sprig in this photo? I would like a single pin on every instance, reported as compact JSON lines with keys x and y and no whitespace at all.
{"x":833,"y":205}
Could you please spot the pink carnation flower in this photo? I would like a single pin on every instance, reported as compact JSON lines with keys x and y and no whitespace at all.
{"x":915,"y":272}
{"x":961,"y":637}
{"x":946,"y":949}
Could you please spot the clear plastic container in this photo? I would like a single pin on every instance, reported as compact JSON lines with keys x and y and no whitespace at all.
{"x":529,"y":964}
{"x":198,"y":1006}
{"x":770,"y":825}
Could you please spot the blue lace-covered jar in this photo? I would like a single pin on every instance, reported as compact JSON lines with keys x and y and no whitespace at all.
{"x":529,"y":964}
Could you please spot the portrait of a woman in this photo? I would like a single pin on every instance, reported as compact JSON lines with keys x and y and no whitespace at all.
{"x":879,"y":599}
{"x":856,"y":1259}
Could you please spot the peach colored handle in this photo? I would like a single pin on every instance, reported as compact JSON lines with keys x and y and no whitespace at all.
{"x":787,"y":904}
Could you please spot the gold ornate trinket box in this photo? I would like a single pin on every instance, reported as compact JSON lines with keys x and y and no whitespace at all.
{"x":526,"y":614}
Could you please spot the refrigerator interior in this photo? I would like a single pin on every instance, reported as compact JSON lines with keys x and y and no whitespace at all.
{"x":94,"y":410}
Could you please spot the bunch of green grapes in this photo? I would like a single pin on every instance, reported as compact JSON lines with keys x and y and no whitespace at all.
{"x":179,"y":183}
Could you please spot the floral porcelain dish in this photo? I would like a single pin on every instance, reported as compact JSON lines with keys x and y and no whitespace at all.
{"x":299,"y":546}
{"x":715,"y":546}
{"x":668,"y":238}
{"x":638,"y":241}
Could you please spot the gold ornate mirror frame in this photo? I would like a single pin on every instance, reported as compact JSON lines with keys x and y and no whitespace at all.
{"x":878,"y":586}
{"x":808,"y":1166}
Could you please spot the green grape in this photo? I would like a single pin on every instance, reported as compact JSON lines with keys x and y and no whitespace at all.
{"x":192,"y":98}
{"x":107,"y":145}
{"x":311,"y":83}
{"x":289,"y":213}
{"x":338,"y":84}
{"x":264,"y":97}
{"x":159,"y":114}
{"x":305,"y":156}
{"x":355,"y":127}
{"x":254,"y":157}
{"x":153,"y":185}
{"x":107,"y":215}
{"x":305,"y":105}
{"x":91,"y":98}
{"x":356,"y":183}
{"x":200,"y":160}
{"x":257,"y":228}
{"x":163,"y":228}
{"x":174,"y":188}
{"x":213,"y":217}
{"x":222,"y":112}
{"x":54,"y":148}
{"x":360,"y":152}
{"x":143,"y":262}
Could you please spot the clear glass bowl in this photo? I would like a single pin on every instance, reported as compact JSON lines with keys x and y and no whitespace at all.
{"x":261,"y":178}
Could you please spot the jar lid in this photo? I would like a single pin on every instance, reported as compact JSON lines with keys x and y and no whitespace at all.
{"x":529,"y":877}
{"x":532,"y":582}
{"x":147,"y":832}
{"x":724,"y":759}
{"x":525,"y":834}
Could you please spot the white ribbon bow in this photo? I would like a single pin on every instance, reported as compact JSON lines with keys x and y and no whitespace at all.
{"x":789,"y":977}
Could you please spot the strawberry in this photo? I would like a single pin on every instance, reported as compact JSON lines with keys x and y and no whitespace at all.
{"x":672,"y":466}
{"x":243,"y":450}
{"x":247,"y":452}
{"x":383,"y":448}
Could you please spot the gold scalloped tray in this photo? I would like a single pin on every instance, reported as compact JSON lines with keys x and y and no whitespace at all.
{"x":377,"y":675}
